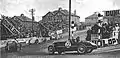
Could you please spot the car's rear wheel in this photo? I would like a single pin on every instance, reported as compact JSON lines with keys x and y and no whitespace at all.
{"x":89,"y":50}
{"x":81,"y":49}
{"x":51,"y":50}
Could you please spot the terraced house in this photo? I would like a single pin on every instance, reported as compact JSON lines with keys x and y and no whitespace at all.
{"x":59,"y":20}
{"x":17,"y":25}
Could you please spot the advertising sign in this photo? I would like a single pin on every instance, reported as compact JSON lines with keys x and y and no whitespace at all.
{"x":112,"y":13}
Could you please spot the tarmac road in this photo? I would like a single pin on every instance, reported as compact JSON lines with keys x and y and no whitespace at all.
{"x":33,"y":52}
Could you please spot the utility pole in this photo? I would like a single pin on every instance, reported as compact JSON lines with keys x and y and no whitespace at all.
{"x":32,"y":13}
{"x":69,"y":18}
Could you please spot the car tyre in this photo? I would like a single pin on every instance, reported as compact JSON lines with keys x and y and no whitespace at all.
{"x":89,"y":50}
{"x":82,"y":49}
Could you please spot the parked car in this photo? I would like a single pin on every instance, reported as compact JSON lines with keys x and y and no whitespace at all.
{"x":35,"y":40}
{"x":13,"y":46}
{"x":21,"y":40}
{"x":82,"y":47}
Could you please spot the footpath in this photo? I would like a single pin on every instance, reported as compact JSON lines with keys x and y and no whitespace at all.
{"x":107,"y":49}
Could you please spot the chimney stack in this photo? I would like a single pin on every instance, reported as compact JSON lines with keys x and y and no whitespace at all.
{"x":60,"y":8}
{"x":22,"y":15}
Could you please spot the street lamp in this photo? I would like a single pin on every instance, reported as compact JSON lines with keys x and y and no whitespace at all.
{"x":69,"y":17}
{"x":32,"y":13}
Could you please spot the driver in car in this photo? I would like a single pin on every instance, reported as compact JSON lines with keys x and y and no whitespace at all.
{"x":76,"y":40}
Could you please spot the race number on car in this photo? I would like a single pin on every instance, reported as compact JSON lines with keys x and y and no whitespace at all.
{"x":68,"y":44}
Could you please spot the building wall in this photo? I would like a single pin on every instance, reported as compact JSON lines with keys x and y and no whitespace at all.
{"x":90,"y":21}
{"x":27,"y":25}
{"x":60,"y":19}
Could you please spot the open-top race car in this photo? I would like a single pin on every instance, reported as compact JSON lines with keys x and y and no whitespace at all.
{"x":82,"y":47}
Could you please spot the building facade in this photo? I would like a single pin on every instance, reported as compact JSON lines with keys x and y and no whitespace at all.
{"x":92,"y":19}
{"x":22,"y":23}
{"x":25,"y":23}
{"x":59,"y":19}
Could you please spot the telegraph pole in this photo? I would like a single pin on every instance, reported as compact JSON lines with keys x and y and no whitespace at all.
{"x":32,"y":13}
{"x":69,"y":18}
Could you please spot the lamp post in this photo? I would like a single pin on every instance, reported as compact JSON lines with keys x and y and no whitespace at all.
{"x":69,"y":17}
{"x":32,"y":13}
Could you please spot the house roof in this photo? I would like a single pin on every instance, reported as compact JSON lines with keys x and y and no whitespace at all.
{"x":24,"y":18}
{"x":93,"y":16}
{"x":65,"y":12}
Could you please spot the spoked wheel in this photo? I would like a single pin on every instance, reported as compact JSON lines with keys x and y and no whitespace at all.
{"x":51,"y":50}
{"x":89,"y":50}
{"x":81,"y":49}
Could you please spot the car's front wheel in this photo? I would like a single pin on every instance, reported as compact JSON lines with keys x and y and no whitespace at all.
{"x":81,"y":49}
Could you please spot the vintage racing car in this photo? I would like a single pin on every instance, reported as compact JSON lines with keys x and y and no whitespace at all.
{"x":82,"y":47}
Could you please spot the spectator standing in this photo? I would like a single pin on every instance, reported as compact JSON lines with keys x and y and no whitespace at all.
{"x":116,"y":31}
{"x":88,"y":38}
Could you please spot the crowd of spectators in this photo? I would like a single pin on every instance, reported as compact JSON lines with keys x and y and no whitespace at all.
{"x":105,"y":30}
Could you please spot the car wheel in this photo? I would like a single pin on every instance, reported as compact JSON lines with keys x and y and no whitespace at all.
{"x":51,"y":50}
{"x":89,"y":50}
{"x":81,"y":49}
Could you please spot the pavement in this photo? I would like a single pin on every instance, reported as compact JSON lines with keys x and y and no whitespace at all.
{"x":107,"y":49}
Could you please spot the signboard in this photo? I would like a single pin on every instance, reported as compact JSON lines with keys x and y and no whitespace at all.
{"x":59,"y":31}
{"x":112,"y":13}
{"x":10,"y":27}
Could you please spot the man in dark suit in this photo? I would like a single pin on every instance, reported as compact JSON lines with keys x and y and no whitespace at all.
{"x":88,"y":38}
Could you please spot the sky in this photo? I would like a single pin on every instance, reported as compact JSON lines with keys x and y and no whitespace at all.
{"x":83,"y":8}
